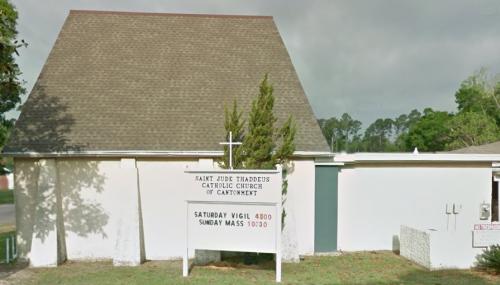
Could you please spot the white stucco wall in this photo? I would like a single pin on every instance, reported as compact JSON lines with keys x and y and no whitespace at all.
{"x":163,"y":210}
{"x":301,"y":185}
{"x":90,"y":191}
{"x":25,"y":190}
{"x":45,"y":251}
{"x":376,"y":199}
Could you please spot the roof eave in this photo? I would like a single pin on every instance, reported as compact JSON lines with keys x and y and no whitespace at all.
{"x":415,"y":158}
{"x":140,"y":153}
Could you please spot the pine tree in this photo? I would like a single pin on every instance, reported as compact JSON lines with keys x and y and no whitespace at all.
{"x":287,"y":146}
{"x":282,"y":156}
{"x":259,"y":144}
{"x":234,"y":124}
{"x":263,"y":146}
{"x":258,"y":150}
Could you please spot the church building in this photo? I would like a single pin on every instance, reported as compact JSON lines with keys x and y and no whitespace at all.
{"x":124,"y":102}
{"x":127,"y":101}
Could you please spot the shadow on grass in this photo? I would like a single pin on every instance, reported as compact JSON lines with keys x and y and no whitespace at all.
{"x":251,"y":260}
{"x":7,"y":270}
{"x":240,"y":260}
{"x":267,"y":265}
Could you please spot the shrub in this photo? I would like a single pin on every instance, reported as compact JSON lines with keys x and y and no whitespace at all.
{"x":489,"y":259}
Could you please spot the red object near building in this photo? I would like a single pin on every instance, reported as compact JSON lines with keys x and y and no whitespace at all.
{"x":4,"y":182}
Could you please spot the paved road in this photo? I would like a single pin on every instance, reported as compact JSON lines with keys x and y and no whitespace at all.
{"x":7,"y":214}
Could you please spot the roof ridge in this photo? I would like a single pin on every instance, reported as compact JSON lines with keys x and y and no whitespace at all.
{"x":167,"y":14}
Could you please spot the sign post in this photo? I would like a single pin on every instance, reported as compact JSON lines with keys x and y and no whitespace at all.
{"x":234,"y":210}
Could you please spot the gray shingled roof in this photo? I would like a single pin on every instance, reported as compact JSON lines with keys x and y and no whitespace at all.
{"x":491,"y":148}
{"x":157,"y":82}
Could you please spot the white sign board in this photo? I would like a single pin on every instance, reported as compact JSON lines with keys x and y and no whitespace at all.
{"x":234,"y":210}
{"x":485,"y":235}
{"x":246,"y":186}
{"x":232,"y":227}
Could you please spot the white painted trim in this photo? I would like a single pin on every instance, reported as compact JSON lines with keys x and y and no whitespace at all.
{"x":116,"y":153}
{"x":233,"y":171}
{"x":329,"y":163}
{"x":313,"y":154}
{"x":410,"y":157}
{"x":145,"y":153}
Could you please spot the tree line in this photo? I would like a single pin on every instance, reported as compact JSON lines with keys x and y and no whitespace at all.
{"x":475,"y":122}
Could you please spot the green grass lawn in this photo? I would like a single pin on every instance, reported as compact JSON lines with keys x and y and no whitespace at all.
{"x":349,"y":269}
{"x":6,"y":197}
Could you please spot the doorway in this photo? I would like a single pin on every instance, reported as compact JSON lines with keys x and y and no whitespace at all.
{"x":326,"y":199}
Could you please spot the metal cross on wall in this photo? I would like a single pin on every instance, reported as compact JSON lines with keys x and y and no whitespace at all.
{"x":230,"y":144}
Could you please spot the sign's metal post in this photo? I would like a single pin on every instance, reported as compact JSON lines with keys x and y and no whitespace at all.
{"x":278,"y":244}
{"x":7,"y":249}
{"x":278,"y":230}
{"x":14,"y":247}
{"x":185,"y":261}
{"x":185,"y":258}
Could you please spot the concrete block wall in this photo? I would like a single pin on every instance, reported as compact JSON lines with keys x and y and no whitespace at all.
{"x":438,"y":249}
{"x":415,"y":245}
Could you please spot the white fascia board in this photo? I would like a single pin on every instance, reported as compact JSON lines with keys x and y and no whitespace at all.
{"x":329,"y":163}
{"x":410,"y":157}
{"x":324,"y":154}
{"x":120,"y":153}
{"x":143,"y":153}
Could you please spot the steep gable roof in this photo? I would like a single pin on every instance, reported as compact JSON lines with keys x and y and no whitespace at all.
{"x":119,"y":81}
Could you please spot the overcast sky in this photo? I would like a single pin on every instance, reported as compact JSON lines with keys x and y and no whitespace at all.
{"x":368,"y":58}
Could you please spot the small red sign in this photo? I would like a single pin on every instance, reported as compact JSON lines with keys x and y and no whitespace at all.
{"x":478,"y":227}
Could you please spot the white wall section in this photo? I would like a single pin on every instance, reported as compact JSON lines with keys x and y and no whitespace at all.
{"x":375,"y":199}
{"x":128,"y":246}
{"x":44,"y":243}
{"x":301,"y":194}
{"x":163,"y":209}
